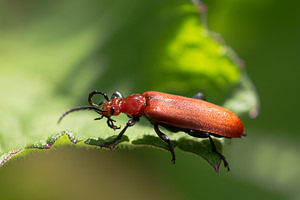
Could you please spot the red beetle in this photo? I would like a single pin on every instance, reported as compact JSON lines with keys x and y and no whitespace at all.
{"x":193,"y":116}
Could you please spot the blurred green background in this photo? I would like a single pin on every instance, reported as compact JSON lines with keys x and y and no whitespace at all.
{"x":45,"y":45}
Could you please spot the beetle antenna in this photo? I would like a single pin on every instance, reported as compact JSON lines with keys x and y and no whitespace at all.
{"x":97,"y":92}
{"x":81,"y":108}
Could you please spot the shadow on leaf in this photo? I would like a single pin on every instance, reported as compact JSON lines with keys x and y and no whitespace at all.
{"x":100,"y":141}
{"x":154,"y":141}
{"x":202,"y":148}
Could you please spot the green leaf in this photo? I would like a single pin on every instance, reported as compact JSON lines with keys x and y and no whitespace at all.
{"x":51,"y":63}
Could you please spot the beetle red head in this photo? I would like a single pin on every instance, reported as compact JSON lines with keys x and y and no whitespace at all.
{"x":113,"y":107}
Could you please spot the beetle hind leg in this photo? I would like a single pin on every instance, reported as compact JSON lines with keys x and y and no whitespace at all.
{"x":226,"y":165}
{"x":201,"y":134}
{"x":166,"y":139}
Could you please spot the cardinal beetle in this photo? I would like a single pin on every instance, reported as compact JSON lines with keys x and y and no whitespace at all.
{"x":193,"y":116}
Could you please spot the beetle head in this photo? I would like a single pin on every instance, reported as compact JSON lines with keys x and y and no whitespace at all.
{"x":110,"y":108}
{"x":113,"y":107}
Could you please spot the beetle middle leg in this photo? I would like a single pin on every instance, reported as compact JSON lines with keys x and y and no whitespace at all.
{"x":166,"y":139}
{"x":111,"y":145}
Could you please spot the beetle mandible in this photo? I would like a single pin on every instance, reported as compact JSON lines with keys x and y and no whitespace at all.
{"x":193,"y":116}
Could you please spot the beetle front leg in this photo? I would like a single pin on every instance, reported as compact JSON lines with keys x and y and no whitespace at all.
{"x":111,"y":145}
{"x":167,"y":140}
{"x":110,"y":123}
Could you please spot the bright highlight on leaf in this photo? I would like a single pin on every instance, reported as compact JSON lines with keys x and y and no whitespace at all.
{"x":194,"y":51}
{"x":196,"y":55}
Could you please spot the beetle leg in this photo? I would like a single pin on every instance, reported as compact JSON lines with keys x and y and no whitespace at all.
{"x":166,"y":139}
{"x":199,"y":96}
{"x":201,"y":134}
{"x":111,"y":145}
{"x":110,"y":123}
{"x":198,"y":134}
{"x":98,"y":118}
{"x":219,"y":154}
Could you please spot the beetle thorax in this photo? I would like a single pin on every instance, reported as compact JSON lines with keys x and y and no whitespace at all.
{"x":134,"y":105}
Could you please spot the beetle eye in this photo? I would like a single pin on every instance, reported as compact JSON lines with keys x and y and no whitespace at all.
{"x":116,"y":95}
{"x":112,"y":111}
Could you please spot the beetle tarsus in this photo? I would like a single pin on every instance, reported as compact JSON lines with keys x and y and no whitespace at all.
{"x":167,"y":140}
{"x":110,"y":123}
